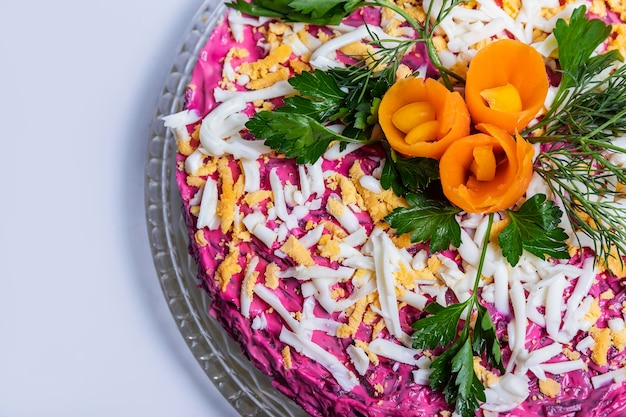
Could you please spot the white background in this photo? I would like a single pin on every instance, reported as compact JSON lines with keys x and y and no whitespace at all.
{"x":84,"y":328}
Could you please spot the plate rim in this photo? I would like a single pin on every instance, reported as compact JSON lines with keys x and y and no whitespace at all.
{"x":248,"y":390}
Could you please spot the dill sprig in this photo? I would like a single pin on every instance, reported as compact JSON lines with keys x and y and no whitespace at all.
{"x":588,"y":192}
{"x":579,"y":131}
{"x":592,"y":108}
{"x":426,"y":30}
{"x":331,"y":12}
{"x":349,"y":94}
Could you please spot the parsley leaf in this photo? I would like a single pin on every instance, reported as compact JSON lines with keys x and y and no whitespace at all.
{"x":577,"y":41}
{"x":534,"y":227}
{"x":322,"y":12}
{"x":441,"y":367}
{"x":486,"y":339}
{"x":453,"y":369}
{"x":427,"y":220}
{"x":319,"y":9}
{"x":349,"y":95}
{"x":440,"y":329}
{"x":296,"y":135}
{"x":319,"y":96}
{"x":453,"y":373}
{"x":467,"y":389}
{"x":404,"y":175}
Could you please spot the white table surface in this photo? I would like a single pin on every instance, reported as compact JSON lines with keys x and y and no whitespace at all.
{"x":84,"y":328}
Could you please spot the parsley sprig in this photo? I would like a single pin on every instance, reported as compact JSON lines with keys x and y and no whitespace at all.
{"x":350,"y":96}
{"x":299,"y":136}
{"x":322,"y":12}
{"x":427,"y":220}
{"x":453,"y":370}
{"x":578,"y":133}
{"x":533,"y":227}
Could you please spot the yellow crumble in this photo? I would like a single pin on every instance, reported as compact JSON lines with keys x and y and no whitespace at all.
{"x":378,"y":327}
{"x":271,"y":279}
{"x":607,"y":295}
{"x":354,"y":321}
{"x":184,"y":147}
{"x":286,"y":352}
{"x":373,"y":358}
{"x":434,"y":264}
{"x":231,"y":192}
{"x":512,"y":7}
{"x":598,"y":7}
{"x":334,"y":229}
{"x":377,"y":205}
{"x":269,"y":80}
{"x":294,"y":249}
{"x":497,"y":228}
{"x":228,"y":267}
{"x":571,"y":354}
{"x":200,"y":238}
{"x":335,"y":207}
{"x":254,"y":198}
{"x":402,"y":241}
{"x":594,"y":312}
{"x":549,"y":387}
{"x":600,"y":349}
{"x":194,"y":181}
{"x":338,"y":293}
{"x":331,"y":249}
{"x":251,"y":282}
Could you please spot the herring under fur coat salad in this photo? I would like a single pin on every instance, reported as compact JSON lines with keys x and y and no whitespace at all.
{"x":415,"y":208}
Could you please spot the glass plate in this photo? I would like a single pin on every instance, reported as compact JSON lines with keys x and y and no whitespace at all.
{"x":247,"y":389}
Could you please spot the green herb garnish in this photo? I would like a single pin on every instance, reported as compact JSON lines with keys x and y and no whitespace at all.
{"x":578,"y":133}
{"x":332,"y":12}
{"x":575,"y":160}
{"x":298,"y":128}
{"x":453,"y":370}
{"x":296,"y":135}
{"x":407,"y":175}
{"x":321,"y":12}
{"x":427,"y":220}
{"x":319,"y":96}
{"x":534,"y":227}
{"x":348,"y":95}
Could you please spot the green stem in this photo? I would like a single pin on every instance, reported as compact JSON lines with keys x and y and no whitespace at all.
{"x":425,"y":32}
{"x":483,"y":254}
{"x":473,"y":300}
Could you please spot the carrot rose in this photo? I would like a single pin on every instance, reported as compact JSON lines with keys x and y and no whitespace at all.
{"x":486,"y":172}
{"x":422,"y":118}
{"x":506,"y":85}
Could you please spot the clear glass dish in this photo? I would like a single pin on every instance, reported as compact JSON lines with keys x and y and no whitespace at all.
{"x":247,"y":389}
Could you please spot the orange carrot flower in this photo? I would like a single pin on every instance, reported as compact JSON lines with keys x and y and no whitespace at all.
{"x":422,"y":118}
{"x":506,"y":85}
{"x":486,"y":172}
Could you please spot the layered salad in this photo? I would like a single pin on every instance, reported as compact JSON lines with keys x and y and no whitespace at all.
{"x":415,"y":208}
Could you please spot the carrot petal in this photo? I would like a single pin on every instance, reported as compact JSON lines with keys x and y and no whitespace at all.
{"x":500,"y":74}
{"x":478,"y":182}
{"x":420,"y":118}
